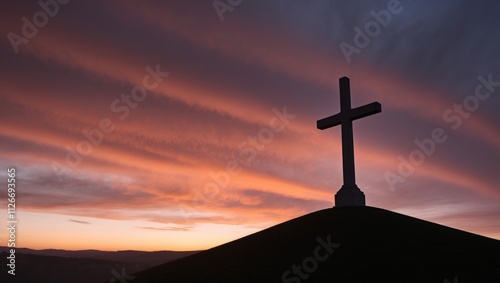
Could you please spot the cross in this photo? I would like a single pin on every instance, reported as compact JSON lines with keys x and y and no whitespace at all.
{"x":349,"y":194}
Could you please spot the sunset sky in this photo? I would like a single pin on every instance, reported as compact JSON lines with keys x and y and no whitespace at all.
{"x":181,"y":125}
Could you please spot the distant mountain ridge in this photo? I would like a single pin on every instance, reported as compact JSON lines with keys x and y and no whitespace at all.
{"x":153,"y":258}
{"x":84,"y":266}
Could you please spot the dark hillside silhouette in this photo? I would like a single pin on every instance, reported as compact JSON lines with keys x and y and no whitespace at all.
{"x":374,"y":245}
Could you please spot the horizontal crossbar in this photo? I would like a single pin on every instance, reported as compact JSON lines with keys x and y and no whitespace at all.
{"x":353,"y":114}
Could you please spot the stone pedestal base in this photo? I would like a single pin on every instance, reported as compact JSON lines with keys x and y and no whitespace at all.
{"x":350,"y":196}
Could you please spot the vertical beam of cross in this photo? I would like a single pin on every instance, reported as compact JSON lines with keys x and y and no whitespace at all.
{"x":347,"y":134}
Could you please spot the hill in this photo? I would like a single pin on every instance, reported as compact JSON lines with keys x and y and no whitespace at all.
{"x":342,"y":244}
{"x":62,"y":266}
{"x":147,"y":259}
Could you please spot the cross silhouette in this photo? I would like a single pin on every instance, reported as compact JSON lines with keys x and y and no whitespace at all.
{"x":349,"y":194}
